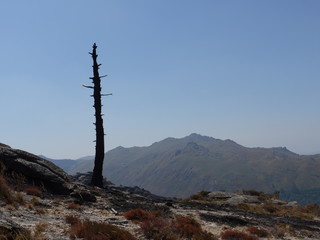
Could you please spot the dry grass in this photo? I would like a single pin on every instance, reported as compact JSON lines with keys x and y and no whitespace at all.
{"x":6,"y":235}
{"x":19,"y":198}
{"x":236,"y":235}
{"x":200,"y":196}
{"x":35,"y":201}
{"x":5,"y":192}
{"x":281,"y":230}
{"x":10,"y":207}
{"x":186,"y":227}
{"x":258,"y":232}
{"x":74,"y":206}
{"x":177,"y":228}
{"x":34,"y":191}
{"x":307,"y":212}
{"x":41,"y":227}
{"x":158,"y":229}
{"x":141,"y":215}
{"x":261,"y":195}
{"x":72,"y":219}
{"x":40,"y":210}
{"x":88,"y":230}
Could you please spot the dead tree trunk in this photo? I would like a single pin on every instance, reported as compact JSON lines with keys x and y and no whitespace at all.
{"x":97,"y":179}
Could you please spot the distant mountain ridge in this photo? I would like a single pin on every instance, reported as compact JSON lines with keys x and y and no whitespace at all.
{"x":180,"y":167}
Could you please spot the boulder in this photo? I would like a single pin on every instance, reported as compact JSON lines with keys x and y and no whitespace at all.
{"x":238,"y":199}
{"x":221,"y":195}
{"x":35,"y":169}
{"x":292,"y":204}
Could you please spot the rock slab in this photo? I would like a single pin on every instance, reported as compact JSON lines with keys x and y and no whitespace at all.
{"x":34,"y":168}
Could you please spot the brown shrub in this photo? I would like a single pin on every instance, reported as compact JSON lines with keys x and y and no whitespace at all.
{"x":40,"y":210}
{"x":158,"y":229}
{"x":236,"y":235}
{"x":258,"y":232}
{"x":19,"y":198}
{"x":39,"y":229}
{"x":180,"y":227}
{"x":71,"y":219}
{"x":74,"y":206}
{"x":204,"y":236}
{"x":34,"y":191}
{"x":88,"y":230}
{"x":140,"y":215}
{"x":186,"y":227}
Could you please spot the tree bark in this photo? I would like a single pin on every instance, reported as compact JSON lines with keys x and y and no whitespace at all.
{"x":97,"y":179}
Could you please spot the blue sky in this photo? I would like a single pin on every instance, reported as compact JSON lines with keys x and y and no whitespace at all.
{"x":242,"y":70}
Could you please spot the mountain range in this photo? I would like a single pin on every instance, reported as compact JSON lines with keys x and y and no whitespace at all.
{"x":180,"y":167}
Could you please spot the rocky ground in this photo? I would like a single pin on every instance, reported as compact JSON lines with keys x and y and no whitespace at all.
{"x":43,"y":212}
{"x":48,"y":213}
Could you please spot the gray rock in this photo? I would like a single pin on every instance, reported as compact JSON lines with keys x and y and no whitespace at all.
{"x":4,"y":145}
{"x":33,"y":168}
{"x":238,"y":199}
{"x":278,"y":202}
{"x":292,"y":204}
{"x":221,"y":195}
{"x":8,"y":226}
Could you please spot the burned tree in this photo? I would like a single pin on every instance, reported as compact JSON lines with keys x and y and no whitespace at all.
{"x":97,"y":178}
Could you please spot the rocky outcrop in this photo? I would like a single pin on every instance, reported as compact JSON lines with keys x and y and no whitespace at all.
{"x":109,"y":204}
{"x":35,"y":169}
{"x":9,"y":227}
{"x":85,"y":178}
{"x":221,"y":195}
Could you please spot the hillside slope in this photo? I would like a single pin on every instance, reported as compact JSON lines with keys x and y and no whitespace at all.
{"x":180,"y":167}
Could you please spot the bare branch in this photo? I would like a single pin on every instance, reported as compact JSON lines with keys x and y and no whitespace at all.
{"x":87,"y":86}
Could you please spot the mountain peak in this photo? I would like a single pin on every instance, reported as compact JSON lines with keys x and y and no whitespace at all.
{"x":195,"y":137}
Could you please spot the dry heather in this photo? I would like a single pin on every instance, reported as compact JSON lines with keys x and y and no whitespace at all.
{"x":159,"y":226}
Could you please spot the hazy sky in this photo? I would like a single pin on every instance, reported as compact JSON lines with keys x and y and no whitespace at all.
{"x":243,"y":70}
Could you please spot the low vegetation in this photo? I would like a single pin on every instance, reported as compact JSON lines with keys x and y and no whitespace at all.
{"x":6,"y":193}
{"x":200,"y":196}
{"x":307,"y":212}
{"x":269,"y":205}
{"x":74,"y":206}
{"x":34,"y":191}
{"x":158,"y":226}
{"x":72,"y":219}
{"x":237,"y":235}
{"x":141,"y":215}
{"x":37,"y":234}
{"x":88,"y":230}
{"x":258,"y":232}
{"x":16,"y":236}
